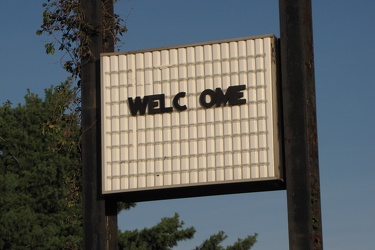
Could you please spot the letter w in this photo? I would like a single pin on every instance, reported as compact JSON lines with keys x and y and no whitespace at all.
{"x":138,"y":105}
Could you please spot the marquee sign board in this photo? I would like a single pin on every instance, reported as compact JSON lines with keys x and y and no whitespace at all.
{"x":200,"y":117}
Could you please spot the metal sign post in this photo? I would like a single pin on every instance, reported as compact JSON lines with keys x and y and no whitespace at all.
{"x":300,"y":131}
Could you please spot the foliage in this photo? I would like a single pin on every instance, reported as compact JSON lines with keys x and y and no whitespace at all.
{"x":63,"y":20}
{"x":213,"y":243}
{"x":244,"y":244}
{"x":162,"y":236}
{"x":40,"y":205}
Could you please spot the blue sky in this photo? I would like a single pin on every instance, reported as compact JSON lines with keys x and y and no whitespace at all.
{"x":345,"y":92}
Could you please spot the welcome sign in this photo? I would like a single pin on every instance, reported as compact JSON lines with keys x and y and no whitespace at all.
{"x":200,"y":115}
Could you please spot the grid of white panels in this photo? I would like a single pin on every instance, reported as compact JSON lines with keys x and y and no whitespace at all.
{"x":197,"y":146}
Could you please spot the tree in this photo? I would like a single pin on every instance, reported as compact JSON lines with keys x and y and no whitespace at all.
{"x":64,"y":21}
{"x":39,"y":172}
{"x":213,"y":243}
{"x":169,"y":232}
{"x":163,"y":236}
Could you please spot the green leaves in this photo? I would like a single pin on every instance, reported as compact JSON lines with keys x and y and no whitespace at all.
{"x":163,"y":236}
{"x":50,"y":49}
{"x":40,"y":205}
{"x":169,"y":231}
{"x":64,"y":22}
{"x":213,"y":243}
{"x":244,"y":244}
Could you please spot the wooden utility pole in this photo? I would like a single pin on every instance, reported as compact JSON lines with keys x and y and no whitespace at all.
{"x":100,"y":216}
{"x":300,"y":126}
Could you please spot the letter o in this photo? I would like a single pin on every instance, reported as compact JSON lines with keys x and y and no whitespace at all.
{"x":202,"y":98}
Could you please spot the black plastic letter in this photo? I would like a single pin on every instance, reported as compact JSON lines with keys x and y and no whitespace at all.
{"x":236,"y":95}
{"x":202,"y":98}
{"x":138,"y":105}
{"x":176,"y":100}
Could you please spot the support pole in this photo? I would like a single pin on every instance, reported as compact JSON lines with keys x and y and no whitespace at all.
{"x":99,"y":216}
{"x":300,"y":126}
{"x":110,"y":205}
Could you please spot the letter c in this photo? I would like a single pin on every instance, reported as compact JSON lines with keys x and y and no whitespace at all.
{"x":176,"y":100}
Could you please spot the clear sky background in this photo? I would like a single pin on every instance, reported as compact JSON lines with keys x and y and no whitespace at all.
{"x":345,"y":87}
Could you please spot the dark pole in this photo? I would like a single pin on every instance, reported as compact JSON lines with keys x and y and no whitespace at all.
{"x":99,"y":216}
{"x":300,"y":128}
{"x":110,"y":205}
